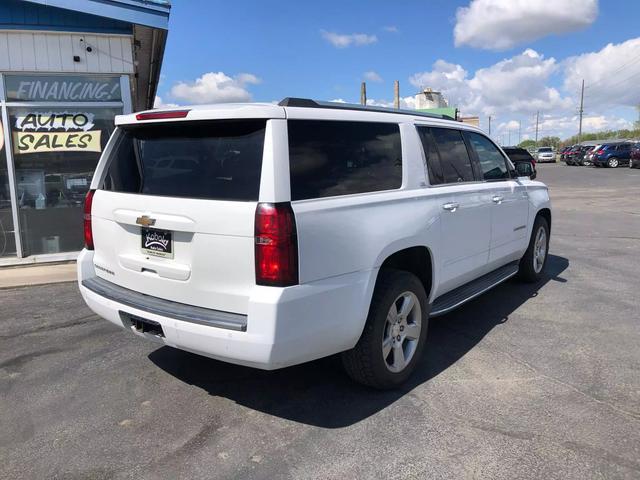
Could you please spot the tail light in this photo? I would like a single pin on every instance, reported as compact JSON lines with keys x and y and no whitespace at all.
{"x":88,"y":232}
{"x":276,"y":245}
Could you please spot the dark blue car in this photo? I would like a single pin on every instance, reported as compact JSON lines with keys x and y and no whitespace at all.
{"x":612,"y":155}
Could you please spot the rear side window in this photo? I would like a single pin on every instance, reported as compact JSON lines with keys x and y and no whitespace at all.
{"x":492,"y":163}
{"x":432,"y":158}
{"x":454,"y":158}
{"x":218,"y":160}
{"x":329,"y":158}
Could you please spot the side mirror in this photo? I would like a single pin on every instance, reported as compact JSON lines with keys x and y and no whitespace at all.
{"x":525,"y":169}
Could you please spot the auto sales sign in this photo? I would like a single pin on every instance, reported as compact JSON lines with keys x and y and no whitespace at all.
{"x":66,"y":131}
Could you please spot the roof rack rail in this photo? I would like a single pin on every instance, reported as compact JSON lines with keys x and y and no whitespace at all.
{"x":308,"y":103}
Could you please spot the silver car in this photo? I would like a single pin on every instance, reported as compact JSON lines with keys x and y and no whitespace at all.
{"x":546,"y":154}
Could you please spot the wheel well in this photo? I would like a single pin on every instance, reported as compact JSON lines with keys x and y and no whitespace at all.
{"x":546,"y":214}
{"x":416,"y":260}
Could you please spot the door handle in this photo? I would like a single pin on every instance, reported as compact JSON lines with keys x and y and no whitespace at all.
{"x":451,"y":207}
{"x":497,"y":199}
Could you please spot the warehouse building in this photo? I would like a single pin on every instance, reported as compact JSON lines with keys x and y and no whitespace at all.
{"x":67,"y":67}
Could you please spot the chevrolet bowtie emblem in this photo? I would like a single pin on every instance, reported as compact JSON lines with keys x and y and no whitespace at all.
{"x":145,"y":221}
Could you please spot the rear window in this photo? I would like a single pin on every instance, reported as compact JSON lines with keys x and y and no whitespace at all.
{"x":454,"y":158}
{"x":330,"y":158}
{"x":518,"y":155}
{"x":545,"y":150}
{"x":218,"y":160}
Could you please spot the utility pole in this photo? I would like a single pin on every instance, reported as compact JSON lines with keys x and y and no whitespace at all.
{"x":509,"y":132}
{"x":581,"y":112}
{"x":396,"y":94}
{"x":519,"y":132}
{"x":489,"y":125}
{"x":363,"y":93}
{"x":537,"y":119}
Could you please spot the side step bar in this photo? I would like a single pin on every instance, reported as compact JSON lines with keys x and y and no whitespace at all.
{"x":453,"y":299}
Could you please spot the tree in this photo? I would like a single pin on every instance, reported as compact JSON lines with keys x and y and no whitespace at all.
{"x":527,"y":144}
{"x":549,"y":142}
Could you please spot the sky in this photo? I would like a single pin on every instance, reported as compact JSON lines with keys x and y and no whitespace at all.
{"x":507,"y":59}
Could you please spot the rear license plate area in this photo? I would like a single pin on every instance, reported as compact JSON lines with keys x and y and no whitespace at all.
{"x":142,"y":325}
{"x":158,"y":243}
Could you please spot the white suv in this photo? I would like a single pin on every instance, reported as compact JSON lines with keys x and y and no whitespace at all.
{"x":271,"y":235}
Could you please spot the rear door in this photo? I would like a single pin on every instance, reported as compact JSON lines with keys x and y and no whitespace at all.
{"x":465,"y":204}
{"x":509,"y":201}
{"x":173,"y":216}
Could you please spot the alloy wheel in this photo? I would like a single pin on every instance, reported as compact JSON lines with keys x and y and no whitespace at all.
{"x":401,"y":332}
{"x":540,"y":250}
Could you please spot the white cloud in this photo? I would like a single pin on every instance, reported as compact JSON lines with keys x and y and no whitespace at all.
{"x":390,"y":29}
{"x":338,"y":100}
{"x":159,"y":103}
{"x":372,"y":76}
{"x":610,"y":75}
{"x":339,"y":40}
{"x":408,"y":103}
{"x":215,"y":87}
{"x":502,"y":24}
{"x":517,"y":84}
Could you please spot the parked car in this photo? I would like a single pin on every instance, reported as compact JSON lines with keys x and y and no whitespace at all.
{"x":587,"y":159}
{"x":546,"y":154}
{"x":612,"y":155}
{"x":302,"y":230}
{"x":518,"y":156}
{"x":634,"y":161}
{"x":564,"y":151}
{"x":578,"y":154}
{"x":570,"y":156}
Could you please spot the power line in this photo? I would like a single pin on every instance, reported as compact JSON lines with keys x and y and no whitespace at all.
{"x":609,"y":74}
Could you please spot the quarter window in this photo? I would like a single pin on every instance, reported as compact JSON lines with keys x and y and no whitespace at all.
{"x":454,"y":157}
{"x":492,"y":163}
{"x":330,"y":158}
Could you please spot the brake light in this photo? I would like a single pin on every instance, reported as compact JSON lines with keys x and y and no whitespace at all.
{"x":88,"y":232}
{"x":276,"y":245}
{"x":162,"y":115}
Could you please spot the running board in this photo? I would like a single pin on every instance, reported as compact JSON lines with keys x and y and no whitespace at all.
{"x":471,"y":290}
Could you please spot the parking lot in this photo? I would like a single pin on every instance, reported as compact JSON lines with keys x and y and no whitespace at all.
{"x":528,"y":381}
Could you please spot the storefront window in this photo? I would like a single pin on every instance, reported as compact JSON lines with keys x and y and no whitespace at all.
{"x":55,"y":152}
{"x":7,"y":236}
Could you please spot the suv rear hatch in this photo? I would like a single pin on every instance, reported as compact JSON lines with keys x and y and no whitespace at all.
{"x":174,"y":214}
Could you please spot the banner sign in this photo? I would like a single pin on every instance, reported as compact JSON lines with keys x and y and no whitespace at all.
{"x":58,"y":88}
{"x":36,"y":142}
{"x":61,"y":131}
{"x":55,"y":121}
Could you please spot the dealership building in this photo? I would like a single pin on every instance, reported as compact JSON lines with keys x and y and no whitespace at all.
{"x":67,"y":67}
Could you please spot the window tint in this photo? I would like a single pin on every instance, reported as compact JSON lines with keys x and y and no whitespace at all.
{"x":518,"y":154}
{"x":454,"y":158}
{"x":215,"y":160}
{"x":329,"y":158}
{"x":431,"y":156}
{"x":492,"y":163}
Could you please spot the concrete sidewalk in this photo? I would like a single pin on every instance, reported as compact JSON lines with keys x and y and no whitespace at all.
{"x":11,"y":277}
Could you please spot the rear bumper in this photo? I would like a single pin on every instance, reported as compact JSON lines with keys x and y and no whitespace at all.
{"x":283,"y":326}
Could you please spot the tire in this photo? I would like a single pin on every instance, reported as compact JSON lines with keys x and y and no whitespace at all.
{"x":530,"y":271}
{"x":366,"y":362}
{"x":613,"y":162}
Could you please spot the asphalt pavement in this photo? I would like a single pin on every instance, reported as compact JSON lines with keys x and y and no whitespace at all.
{"x":527,"y":381}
